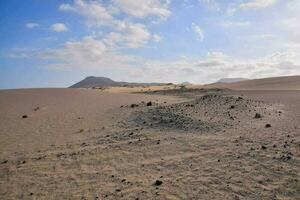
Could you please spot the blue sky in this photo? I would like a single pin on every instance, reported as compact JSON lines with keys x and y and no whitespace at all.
{"x":57,"y":43}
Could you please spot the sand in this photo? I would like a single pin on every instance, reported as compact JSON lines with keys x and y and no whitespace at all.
{"x":187,"y":144}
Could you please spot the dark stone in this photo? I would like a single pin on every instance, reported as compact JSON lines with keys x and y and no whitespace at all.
{"x":24,"y":116}
{"x":263,"y":147}
{"x":158,"y":183}
{"x":268,"y":125}
{"x":149,"y":103}
{"x":133,"y":105}
{"x":257,"y":116}
{"x":5,"y":161}
{"x":36,"y":108}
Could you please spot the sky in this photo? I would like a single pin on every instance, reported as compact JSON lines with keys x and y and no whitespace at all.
{"x":56,"y":43}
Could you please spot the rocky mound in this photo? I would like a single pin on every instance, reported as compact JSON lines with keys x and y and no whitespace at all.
{"x":209,"y":113}
{"x":189,"y":92}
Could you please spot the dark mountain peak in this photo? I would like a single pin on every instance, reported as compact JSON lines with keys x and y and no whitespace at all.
{"x":93,"y":81}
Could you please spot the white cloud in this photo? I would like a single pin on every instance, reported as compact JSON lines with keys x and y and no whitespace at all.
{"x":289,"y":24}
{"x":131,"y":36}
{"x":257,"y":4}
{"x":123,"y":33}
{"x":59,"y":27}
{"x":144,"y":8}
{"x":211,"y":4}
{"x":251,"y":4}
{"x":88,"y":53}
{"x":31,"y":25}
{"x":198,"y":31}
{"x":92,"y":53}
{"x":235,"y":24}
{"x":156,"y":38}
{"x":95,"y":13}
{"x":89,"y":49}
{"x":98,"y":14}
{"x":255,"y":37}
{"x":218,"y":65}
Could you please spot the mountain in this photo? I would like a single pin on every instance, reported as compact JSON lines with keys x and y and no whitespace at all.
{"x":92,"y":81}
{"x":231,"y":80}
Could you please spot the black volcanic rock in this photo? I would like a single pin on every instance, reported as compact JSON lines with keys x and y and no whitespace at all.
{"x":92,"y":82}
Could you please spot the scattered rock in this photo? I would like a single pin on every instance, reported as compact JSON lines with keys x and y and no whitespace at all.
{"x":149,"y":103}
{"x":5,"y":161}
{"x":81,"y":130}
{"x":133,"y":105}
{"x":268,"y":125}
{"x":158,"y":183}
{"x":20,"y":162}
{"x":36,"y":108}
{"x":257,"y":116}
{"x":60,"y":155}
{"x":24,"y":116}
{"x":263,"y":147}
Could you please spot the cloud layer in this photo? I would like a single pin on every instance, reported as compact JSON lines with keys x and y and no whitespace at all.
{"x":120,"y":32}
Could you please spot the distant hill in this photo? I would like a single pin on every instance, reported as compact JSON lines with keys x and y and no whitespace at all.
{"x":231,"y":80}
{"x":186,"y":83}
{"x":92,"y":81}
{"x":273,"y":83}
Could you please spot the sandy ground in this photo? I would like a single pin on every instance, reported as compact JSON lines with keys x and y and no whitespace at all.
{"x":57,"y":116}
{"x":198,"y":144}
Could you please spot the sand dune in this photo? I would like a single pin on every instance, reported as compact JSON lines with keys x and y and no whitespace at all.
{"x":276,"y":83}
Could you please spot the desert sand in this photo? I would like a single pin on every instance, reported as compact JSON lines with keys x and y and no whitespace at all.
{"x":196,"y":143}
